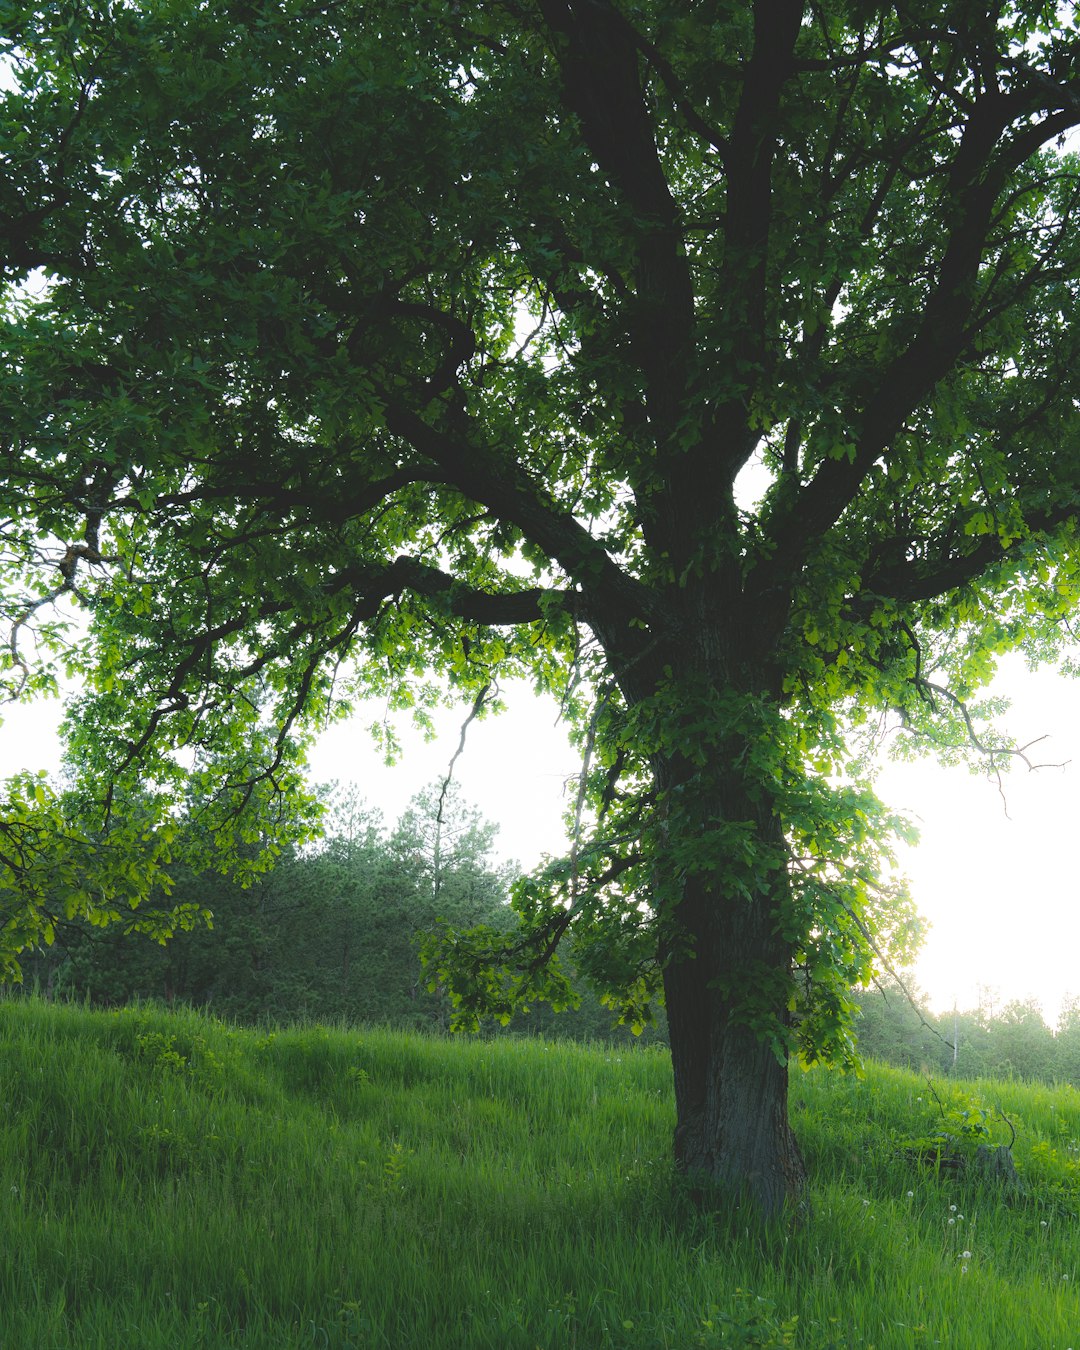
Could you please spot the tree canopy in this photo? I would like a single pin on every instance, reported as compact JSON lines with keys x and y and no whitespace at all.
{"x":712,"y":365}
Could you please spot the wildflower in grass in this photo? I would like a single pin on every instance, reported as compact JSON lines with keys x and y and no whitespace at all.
{"x":952,"y":1209}
{"x":911,"y":1195}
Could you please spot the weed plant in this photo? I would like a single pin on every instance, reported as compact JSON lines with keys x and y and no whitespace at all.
{"x":170,"y":1183}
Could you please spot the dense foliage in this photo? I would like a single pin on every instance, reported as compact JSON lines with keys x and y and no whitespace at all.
{"x":365,"y":347}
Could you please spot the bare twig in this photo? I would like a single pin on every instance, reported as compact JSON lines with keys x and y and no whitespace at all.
{"x":992,"y":753}
{"x":1012,"y":1127}
{"x":910,"y":998}
{"x":479,"y":703}
{"x":583,"y":780}
{"x":933,"y":1093}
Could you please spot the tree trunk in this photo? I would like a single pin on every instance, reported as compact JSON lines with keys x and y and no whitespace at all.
{"x":732,"y":1134}
{"x":727,"y":982}
{"x":726,"y":944}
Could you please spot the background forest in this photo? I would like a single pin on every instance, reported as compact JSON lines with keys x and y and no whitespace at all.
{"x":994,"y":1040}
{"x":333,"y":934}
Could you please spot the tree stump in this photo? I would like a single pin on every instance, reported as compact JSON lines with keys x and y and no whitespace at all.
{"x":996,"y":1165}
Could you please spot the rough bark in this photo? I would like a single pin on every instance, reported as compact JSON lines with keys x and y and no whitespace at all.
{"x":732,"y":1134}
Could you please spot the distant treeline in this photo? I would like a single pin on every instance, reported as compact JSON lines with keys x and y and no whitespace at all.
{"x":329,"y":935}
{"x":1009,"y":1040}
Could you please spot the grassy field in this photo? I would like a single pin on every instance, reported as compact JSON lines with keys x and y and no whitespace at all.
{"x":169,"y":1182}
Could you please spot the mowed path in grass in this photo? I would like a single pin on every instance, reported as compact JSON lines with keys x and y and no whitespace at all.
{"x":167,"y":1181}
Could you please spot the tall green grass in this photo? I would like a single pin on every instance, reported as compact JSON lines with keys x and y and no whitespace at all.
{"x":168,"y":1182}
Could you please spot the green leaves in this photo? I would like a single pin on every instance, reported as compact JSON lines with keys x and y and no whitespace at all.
{"x":481,"y":970}
{"x":54,"y":868}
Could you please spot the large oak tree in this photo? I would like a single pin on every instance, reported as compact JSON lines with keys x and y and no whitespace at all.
{"x":714,"y":364}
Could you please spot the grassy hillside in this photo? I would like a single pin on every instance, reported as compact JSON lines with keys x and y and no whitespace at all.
{"x":167,"y":1182}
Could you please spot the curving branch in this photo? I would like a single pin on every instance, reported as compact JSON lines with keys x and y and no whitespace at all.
{"x":503,"y":485}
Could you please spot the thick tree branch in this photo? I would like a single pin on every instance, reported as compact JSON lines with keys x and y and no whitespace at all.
{"x":368,"y":587}
{"x":497,"y":609}
{"x":597,"y":51}
{"x":504,"y":487}
{"x":461,"y":344}
{"x":749,"y":196}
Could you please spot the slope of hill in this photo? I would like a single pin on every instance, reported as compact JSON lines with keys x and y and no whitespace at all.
{"x":170,"y":1183}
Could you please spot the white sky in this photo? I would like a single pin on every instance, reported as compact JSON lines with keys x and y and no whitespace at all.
{"x":1001,"y":892}
{"x":998,"y":880}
